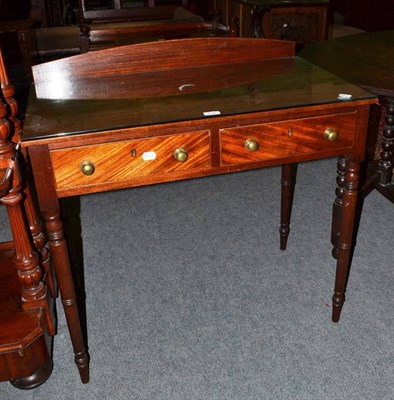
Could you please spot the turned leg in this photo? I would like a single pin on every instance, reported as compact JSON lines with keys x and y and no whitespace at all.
{"x":337,"y":206}
{"x":381,"y":175}
{"x":385,"y":167}
{"x":58,"y":248}
{"x":49,"y":205}
{"x":345,"y":238}
{"x":70,"y":210}
{"x":289,"y":173}
{"x":40,"y":241}
{"x":27,"y":263}
{"x":15,"y":131}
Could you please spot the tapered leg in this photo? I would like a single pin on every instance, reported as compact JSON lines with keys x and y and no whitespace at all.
{"x":70,"y":210}
{"x":58,"y":248}
{"x":289,"y":173}
{"x":345,"y":238}
{"x":337,"y":206}
{"x":49,"y":205}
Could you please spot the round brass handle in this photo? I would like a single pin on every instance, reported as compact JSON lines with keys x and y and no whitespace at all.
{"x":330,"y":134}
{"x":252,"y":145}
{"x":180,"y":154}
{"x":87,"y":168}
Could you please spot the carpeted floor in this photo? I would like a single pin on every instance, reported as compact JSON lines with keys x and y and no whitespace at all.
{"x":189,"y":296}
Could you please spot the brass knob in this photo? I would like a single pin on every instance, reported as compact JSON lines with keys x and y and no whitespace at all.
{"x":330,"y":134}
{"x":180,"y":154}
{"x":87,"y":168}
{"x":252,"y":145}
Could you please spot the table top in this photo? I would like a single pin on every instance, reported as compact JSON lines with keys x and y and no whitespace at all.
{"x":365,"y":59}
{"x":91,"y":102}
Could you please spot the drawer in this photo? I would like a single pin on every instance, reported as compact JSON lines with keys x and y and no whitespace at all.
{"x":127,"y":160}
{"x":287,"y":138}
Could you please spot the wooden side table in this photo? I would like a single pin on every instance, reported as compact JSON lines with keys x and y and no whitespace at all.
{"x":133,"y":116}
{"x":366,"y":59}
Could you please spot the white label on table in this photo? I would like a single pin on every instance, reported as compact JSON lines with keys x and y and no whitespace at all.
{"x":344,"y":96}
{"x":210,"y":113}
{"x":149,"y":155}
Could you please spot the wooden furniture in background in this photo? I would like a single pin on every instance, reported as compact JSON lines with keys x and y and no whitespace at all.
{"x":367,"y":59}
{"x":15,"y":44}
{"x":130,"y":116}
{"x":369,"y":15}
{"x":52,"y":11}
{"x":27,"y":285}
{"x":92,"y":10}
{"x":119,"y":24}
{"x":303,"y":21}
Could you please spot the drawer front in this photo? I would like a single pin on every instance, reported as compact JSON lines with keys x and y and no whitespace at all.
{"x":286,"y":138}
{"x":126,"y":160}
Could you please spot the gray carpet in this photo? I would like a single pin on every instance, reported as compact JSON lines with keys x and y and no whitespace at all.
{"x":189,"y":296}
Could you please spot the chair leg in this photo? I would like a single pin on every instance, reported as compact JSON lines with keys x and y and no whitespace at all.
{"x":289,"y":173}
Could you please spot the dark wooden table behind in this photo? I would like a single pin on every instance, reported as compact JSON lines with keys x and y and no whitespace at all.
{"x":367,"y":59}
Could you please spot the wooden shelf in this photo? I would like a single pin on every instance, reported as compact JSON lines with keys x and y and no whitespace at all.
{"x":25,"y":345}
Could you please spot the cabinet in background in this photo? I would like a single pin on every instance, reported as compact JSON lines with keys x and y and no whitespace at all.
{"x":303,"y":21}
{"x":370,"y":15}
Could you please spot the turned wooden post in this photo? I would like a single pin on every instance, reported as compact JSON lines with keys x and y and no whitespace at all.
{"x":385,"y":167}
{"x":345,"y":237}
{"x":26,"y":260}
{"x":337,"y":206}
{"x":35,"y":224}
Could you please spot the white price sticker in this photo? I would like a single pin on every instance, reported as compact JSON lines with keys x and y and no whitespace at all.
{"x":149,"y":155}
{"x":210,"y":113}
